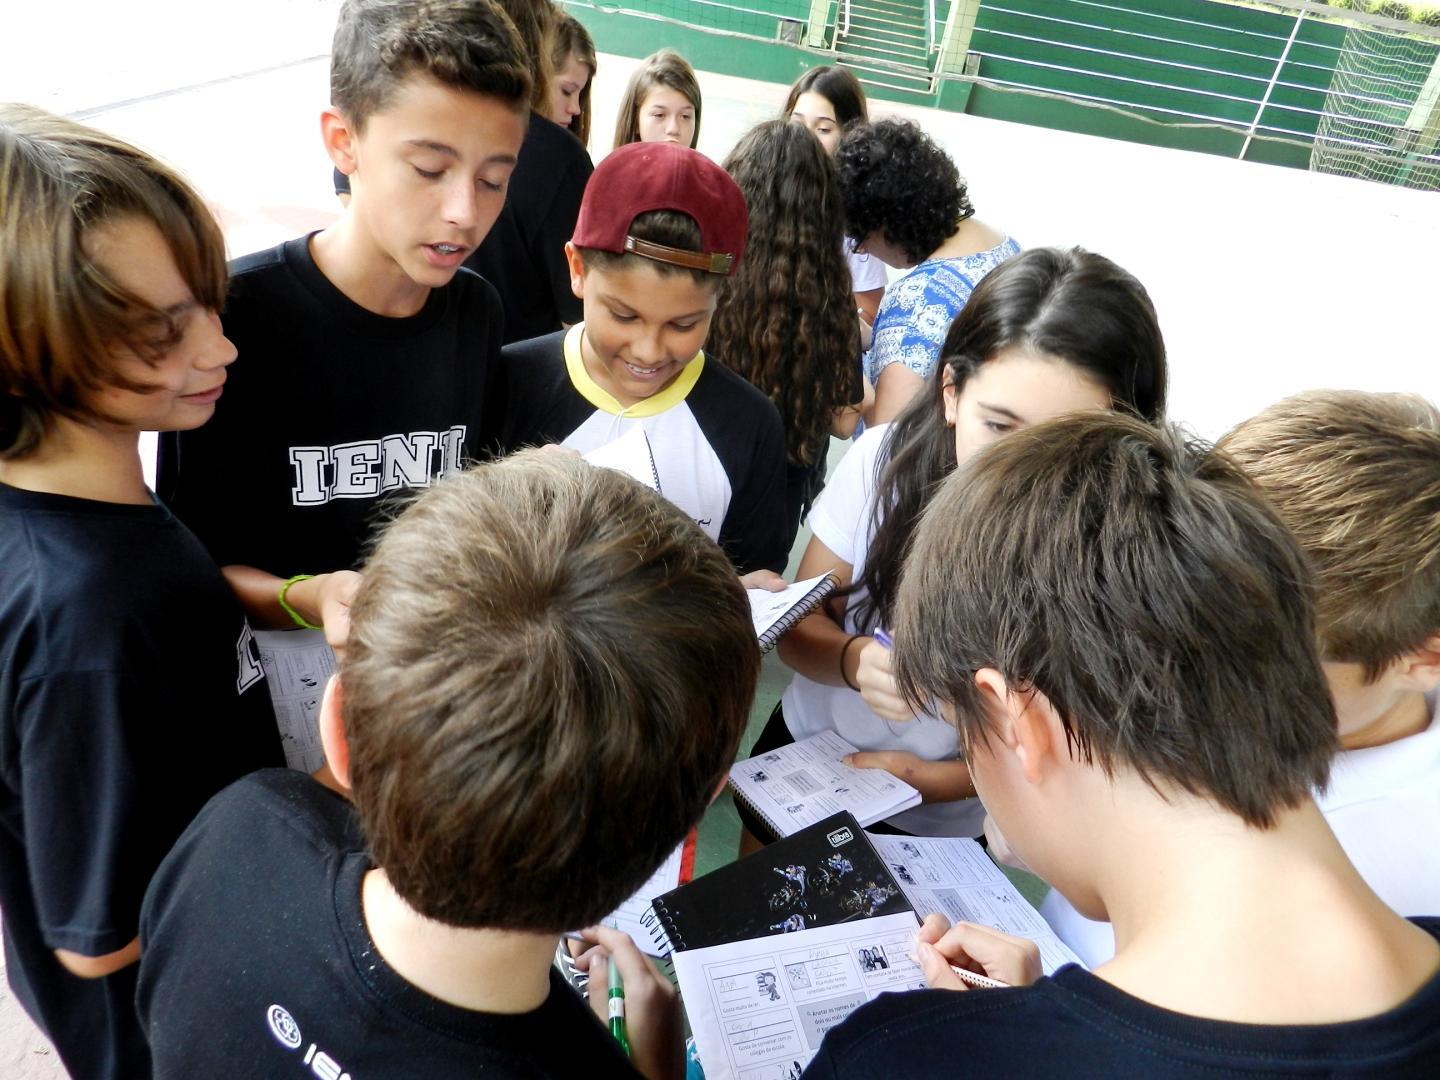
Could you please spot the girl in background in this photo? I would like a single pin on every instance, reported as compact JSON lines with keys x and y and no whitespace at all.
{"x":906,"y":203}
{"x":784,"y":320}
{"x":828,"y":100}
{"x":661,"y":103}
{"x":573,"y":58}
{"x":1049,"y":332}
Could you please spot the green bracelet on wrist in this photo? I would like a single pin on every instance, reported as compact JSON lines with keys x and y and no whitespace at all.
{"x":299,"y":619}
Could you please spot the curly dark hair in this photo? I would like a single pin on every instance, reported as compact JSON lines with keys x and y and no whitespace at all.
{"x":899,"y":183}
{"x":1075,"y":306}
{"x":786,"y":319}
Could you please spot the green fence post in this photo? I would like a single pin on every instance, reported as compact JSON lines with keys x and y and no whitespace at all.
{"x":818,"y":25}
{"x":952,"y":89}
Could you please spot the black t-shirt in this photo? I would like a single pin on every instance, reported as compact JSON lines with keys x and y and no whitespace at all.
{"x":130,"y":693}
{"x":257,"y":961}
{"x":524,"y":252}
{"x":1074,"y":1024}
{"x":329,"y":409}
{"x":718,"y":443}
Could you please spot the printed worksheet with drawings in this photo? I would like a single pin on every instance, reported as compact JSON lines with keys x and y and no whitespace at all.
{"x":759,"y":1008}
{"x":297,"y":664}
{"x":955,"y":877}
{"x":804,"y":782}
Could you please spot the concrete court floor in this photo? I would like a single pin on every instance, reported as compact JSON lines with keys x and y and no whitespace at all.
{"x":1267,"y":280}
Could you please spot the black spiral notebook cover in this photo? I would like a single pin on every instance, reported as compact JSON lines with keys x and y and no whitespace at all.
{"x":826,"y":874}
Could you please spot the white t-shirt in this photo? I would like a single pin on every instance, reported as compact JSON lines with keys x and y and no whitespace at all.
{"x":1383,"y":804}
{"x":866,"y":271}
{"x":841,"y":521}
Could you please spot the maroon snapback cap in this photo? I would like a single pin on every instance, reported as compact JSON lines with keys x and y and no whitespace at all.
{"x":641,"y":177}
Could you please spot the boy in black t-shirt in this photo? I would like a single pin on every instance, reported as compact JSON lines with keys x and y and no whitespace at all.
{"x":373,"y":358}
{"x":659,"y":226}
{"x":130,"y":687}
{"x":548,"y":673}
{"x":1122,"y":630}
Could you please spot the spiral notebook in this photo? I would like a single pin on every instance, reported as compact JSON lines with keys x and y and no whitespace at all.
{"x":629,"y":454}
{"x":636,"y":916}
{"x":775,"y":612}
{"x":827,"y":874}
{"x":797,"y":785}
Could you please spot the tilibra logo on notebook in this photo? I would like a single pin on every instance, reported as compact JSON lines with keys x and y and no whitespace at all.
{"x":840,"y":837}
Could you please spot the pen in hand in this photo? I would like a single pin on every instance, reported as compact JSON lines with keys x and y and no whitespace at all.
{"x":883,"y":637}
{"x":972,"y":978}
{"x":617,"y":1007}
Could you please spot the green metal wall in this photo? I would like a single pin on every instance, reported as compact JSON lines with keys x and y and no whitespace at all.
{"x":1174,"y":62}
{"x":1000,"y":37}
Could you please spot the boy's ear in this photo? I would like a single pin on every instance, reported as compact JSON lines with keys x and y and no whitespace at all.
{"x":577,"y":270}
{"x":1024,"y":723}
{"x":332,"y":733}
{"x":1421,"y":667}
{"x":339,"y":139}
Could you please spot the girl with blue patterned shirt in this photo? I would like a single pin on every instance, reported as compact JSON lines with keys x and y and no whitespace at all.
{"x":907,"y":205}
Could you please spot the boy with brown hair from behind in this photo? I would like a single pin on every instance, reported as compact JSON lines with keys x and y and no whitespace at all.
{"x":548,"y":674}
{"x":1355,"y":476}
{"x":1122,"y":629}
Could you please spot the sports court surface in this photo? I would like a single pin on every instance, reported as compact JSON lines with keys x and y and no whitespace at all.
{"x":1267,"y":280}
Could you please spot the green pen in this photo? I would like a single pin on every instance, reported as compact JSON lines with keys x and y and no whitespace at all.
{"x":617,"y":1007}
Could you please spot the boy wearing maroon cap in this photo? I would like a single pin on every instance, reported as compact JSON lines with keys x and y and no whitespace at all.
{"x":659,"y":227}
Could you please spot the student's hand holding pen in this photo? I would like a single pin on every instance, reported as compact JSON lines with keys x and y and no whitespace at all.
{"x":652,"y":1008}
{"x":875,"y":677}
{"x":940,"y":948}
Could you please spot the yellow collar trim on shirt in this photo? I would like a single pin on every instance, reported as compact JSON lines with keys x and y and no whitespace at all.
{"x":605,"y":401}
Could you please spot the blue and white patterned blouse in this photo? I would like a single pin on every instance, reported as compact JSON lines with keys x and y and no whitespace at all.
{"x":917,"y":310}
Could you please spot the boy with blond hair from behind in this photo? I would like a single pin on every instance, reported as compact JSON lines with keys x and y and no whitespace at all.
{"x":1356,"y":478}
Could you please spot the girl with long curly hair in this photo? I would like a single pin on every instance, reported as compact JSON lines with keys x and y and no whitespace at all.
{"x":1046,"y":333}
{"x":785,"y":320}
{"x":906,"y":203}
{"x":829,"y":100}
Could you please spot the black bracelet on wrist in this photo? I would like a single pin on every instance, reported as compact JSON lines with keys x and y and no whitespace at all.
{"x":845,"y":649}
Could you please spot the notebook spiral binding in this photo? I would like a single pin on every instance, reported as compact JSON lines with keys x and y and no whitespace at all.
{"x":744,"y":800}
{"x":663,"y":932}
{"x":806,"y":604}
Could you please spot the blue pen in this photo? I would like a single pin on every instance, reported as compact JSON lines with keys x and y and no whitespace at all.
{"x":883,"y":637}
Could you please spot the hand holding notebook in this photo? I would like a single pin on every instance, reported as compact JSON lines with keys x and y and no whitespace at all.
{"x":798,"y":784}
{"x":775,"y":612}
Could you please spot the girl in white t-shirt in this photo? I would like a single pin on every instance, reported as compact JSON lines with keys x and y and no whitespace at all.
{"x":1046,"y":333}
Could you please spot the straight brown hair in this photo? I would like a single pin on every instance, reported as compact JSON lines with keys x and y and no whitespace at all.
{"x":1356,"y":477}
{"x":1141,"y":583}
{"x":549,"y":671}
{"x":61,"y":317}
{"x":663,"y":68}
{"x":572,"y":39}
{"x":466,"y":44}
